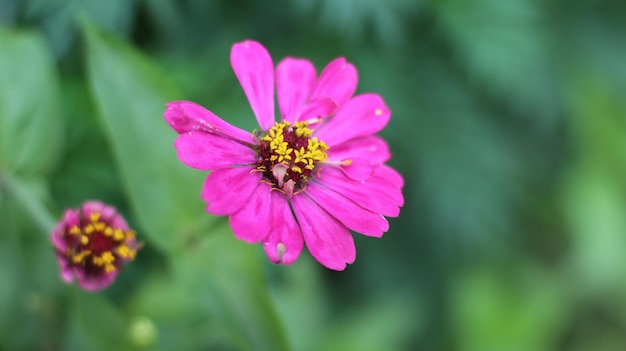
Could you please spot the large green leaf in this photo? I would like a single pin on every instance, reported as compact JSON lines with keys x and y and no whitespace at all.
{"x":519,"y":307}
{"x":215,"y":296}
{"x":96,"y":324}
{"x":131,"y":93}
{"x":30,"y":122}
{"x":503,"y":45}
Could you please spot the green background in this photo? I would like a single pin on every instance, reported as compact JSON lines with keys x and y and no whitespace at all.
{"x":508,"y":124}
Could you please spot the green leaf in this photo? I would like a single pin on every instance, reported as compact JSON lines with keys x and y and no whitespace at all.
{"x":131,"y":93}
{"x":503,"y":46}
{"x":520,"y":307}
{"x":97,"y":324}
{"x":30,"y":121}
{"x":216,"y":294}
{"x":238,"y":289}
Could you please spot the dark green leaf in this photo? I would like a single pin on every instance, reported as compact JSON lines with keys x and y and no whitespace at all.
{"x":131,"y":93}
{"x":30,"y":121}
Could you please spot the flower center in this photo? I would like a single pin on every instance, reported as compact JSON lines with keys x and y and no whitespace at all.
{"x":288,"y":155}
{"x":97,"y":246}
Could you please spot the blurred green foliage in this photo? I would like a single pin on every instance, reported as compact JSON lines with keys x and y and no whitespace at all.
{"x":509,"y":126}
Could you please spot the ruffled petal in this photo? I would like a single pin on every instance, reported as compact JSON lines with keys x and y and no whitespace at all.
{"x":363,"y":115}
{"x":337,"y":81}
{"x":376,"y":194}
{"x":226,"y":190}
{"x":295,"y":79}
{"x":70,"y":218}
{"x":67,"y":272}
{"x":318,"y":108}
{"x":284,"y":242}
{"x":371,"y":148}
{"x":347,"y":212}
{"x":358,"y":169}
{"x":391,"y":175}
{"x":329,"y":241}
{"x":254,"y":68}
{"x":252,"y":222}
{"x":208,"y":151}
{"x":95,"y":283}
{"x":185,"y":116}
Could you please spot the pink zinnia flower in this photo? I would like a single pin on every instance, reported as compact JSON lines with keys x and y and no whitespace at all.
{"x":92,"y":244}
{"x":312,"y":177}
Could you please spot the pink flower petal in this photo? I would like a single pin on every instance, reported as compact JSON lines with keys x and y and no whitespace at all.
{"x":284,"y":242}
{"x":375,"y":194}
{"x":347,"y":212}
{"x":226,"y":190}
{"x":363,"y":115}
{"x":358,"y":169}
{"x":390,"y":174}
{"x":70,"y":218}
{"x":254,"y":68}
{"x":67,"y":272}
{"x":95,"y":283}
{"x":318,"y":108}
{"x":337,"y":81}
{"x":295,"y":79}
{"x":208,"y":151}
{"x":185,"y":116}
{"x":329,"y":241}
{"x":371,"y":147}
{"x":251,"y":222}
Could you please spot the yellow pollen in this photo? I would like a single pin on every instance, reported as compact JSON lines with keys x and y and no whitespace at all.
{"x":78,"y":258}
{"x":84,"y":239}
{"x":125,"y":252}
{"x":99,"y":226}
{"x":74,"y":230}
{"x":105,"y":259}
{"x":291,"y":144}
{"x":108,"y":257}
{"x":118,"y":235}
{"x":94,"y":217}
{"x":108,"y":231}
{"x":89,"y":229}
{"x":109,"y":268}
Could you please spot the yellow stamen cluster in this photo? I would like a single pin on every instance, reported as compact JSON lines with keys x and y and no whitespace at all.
{"x":293,"y":152}
{"x":99,"y":244}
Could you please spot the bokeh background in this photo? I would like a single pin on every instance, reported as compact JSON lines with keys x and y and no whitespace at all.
{"x":509,"y":126}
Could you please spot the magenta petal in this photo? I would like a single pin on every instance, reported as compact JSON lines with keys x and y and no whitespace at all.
{"x":337,"y":81}
{"x":185,"y":116}
{"x":254,"y":68}
{"x":96,"y":283}
{"x":372,"y":148}
{"x":284,"y":242}
{"x":363,"y":115}
{"x":70,"y":218}
{"x":210,"y":151}
{"x":358,"y":169}
{"x":251,"y":222}
{"x":106,"y":212}
{"x":390,"y":174}
{"x":226,"y":190}
{"x":375,"y":194}
{"x":329,"y":241}
{"x":318,"y":108}
{"x":347,"y":212}
{"x":67,"y":273}
{"x":295,"y":79}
